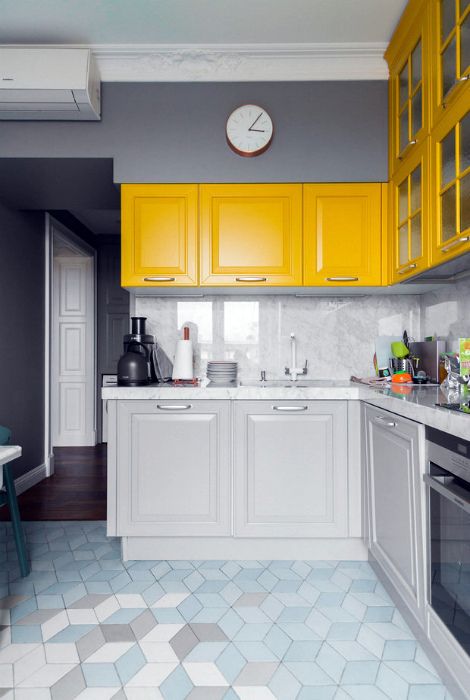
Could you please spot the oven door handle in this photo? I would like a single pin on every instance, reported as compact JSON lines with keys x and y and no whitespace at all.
{"x":448,"y":492}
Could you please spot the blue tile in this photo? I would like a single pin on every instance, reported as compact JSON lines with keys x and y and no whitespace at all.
{"x":71,"y":634}
{"x":327,"y":692}
{"x":379,"y":614}
{"x":309,"y":673}
{"x":26,"y":634}
{"x":360,"y":673}
{"x":303,"y":651}
{"x":189,"y":608}
{"x":230,"y":623}
{"x":294,"y":614}
{"x":123,"y":616}
{"x":252,"y":633}
{"x":209,"y":615}
{"x":129,"y":663}
{"x":206,"y":651}
{"x":255,"y":651}
{"x":327,"y":600}
{"x":399,"y":650}
{"x":177,"y":686}
{"x":278,"y":641}
{"x":167,"y":616}
{"x":343,"y":631}
{"x":427,"y":692}
{"x":230,"y":662}
{"x":101,"y":675}
{"x":284,"y":685}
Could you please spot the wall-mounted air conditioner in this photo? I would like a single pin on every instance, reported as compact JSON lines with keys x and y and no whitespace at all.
{"x":49,"y":83}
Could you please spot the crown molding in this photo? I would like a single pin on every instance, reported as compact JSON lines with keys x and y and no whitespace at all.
{"x":237,"y":62}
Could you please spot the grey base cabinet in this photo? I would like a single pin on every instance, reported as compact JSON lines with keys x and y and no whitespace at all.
{"x":290,"y":469}
{"x":395,"y":452}
{"x":173,"y":468}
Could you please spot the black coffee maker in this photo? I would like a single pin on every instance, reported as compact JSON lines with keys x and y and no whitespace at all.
{"x":132,"y":370}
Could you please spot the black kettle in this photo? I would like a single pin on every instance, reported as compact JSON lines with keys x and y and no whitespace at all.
{"x":133,"y":367}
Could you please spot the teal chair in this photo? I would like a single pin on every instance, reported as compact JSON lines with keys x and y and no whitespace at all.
{"x":8,"y":496}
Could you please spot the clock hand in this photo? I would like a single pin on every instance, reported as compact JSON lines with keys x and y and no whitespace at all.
{"x":251,"y":127}
{"x":260,"y":131}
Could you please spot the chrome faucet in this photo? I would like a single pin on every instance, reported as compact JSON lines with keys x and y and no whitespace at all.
{"x":294,"y":371}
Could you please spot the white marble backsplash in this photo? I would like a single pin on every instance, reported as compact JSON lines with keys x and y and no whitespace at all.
{"x":335,"y":335}
{"x":445,"y":312}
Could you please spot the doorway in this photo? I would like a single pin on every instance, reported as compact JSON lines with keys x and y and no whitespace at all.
{"x":72,"y":340}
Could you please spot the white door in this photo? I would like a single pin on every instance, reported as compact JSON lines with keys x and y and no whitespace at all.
{"x":290,"y":469}
{"x":73,"y":346}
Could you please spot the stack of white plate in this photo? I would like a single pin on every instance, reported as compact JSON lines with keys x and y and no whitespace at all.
{"x":222,"y":371}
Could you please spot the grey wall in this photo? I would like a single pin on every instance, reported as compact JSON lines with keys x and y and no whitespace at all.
{"x":22,"y":333}
{"x":164,"y":132}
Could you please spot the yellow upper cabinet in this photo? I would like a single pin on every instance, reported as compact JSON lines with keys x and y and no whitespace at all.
{"x":451,"y":54}
{"x":343,"y":234}
{"x":159,"y":235}
{"x":409,"y":88}
{"x":450,"y":192}
{"x":251,"y":235}
{"x":410,"y":216}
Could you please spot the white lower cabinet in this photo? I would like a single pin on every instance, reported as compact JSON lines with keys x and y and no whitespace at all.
{"x":395,"y":454}
{"x":290,"y":469}
{"x":173,"y":468}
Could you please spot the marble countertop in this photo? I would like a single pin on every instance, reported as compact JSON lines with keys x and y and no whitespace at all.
{"x":416,"y":403}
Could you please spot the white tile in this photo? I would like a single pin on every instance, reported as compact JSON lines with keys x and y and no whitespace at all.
{"x":130,"y":600}
{"x":109,"y":653}
{"x":65,"y":653}
{"x":143,"y":694}
{"x":158,"y":652}
{"x":47,"y":676}
{"x":96,"y":693}
{"x":106,"y":608}
{"x":82,"y":616}
{"x":29,"y":663}
{"x":170,"y":600}
{"x":6,"y":675}
{"x":31,"y":694}
{"x":204,"y":673}
{"x":162,"y":633}
{"x":54,"y":625}
{"x":151,"y":675}
{"x":13,"y":652}
{"x":251,"y":692}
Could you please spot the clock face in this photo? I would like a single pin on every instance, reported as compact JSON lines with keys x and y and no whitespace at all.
{"x":249,"y":130}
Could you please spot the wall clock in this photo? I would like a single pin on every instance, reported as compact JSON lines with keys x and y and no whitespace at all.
{"x":249,"y":130}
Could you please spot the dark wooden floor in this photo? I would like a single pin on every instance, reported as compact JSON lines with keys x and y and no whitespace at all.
{"x":76,"y":491}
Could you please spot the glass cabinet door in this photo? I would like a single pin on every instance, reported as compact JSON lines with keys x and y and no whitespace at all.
{"x":410,"y":243}
{"x":453,"y":47}
{"x":409,"y":87}
{"x":451,"y":151}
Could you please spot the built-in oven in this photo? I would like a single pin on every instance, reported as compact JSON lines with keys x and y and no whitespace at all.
{"x":448,"y":479}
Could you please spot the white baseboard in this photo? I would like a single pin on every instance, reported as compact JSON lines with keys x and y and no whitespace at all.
{"x":31,"y":478}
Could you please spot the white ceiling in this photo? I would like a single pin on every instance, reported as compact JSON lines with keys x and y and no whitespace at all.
{"x":197,"y":21}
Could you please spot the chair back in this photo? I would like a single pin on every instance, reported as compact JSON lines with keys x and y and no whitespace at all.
{"x":5,"y":435}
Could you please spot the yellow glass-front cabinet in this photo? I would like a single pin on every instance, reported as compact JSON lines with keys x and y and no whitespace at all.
{"x":251,"y":235}
{"x":343,"y":234}
{"x":451,"y":52}
{"x":409,"y":85}
{"x":410,"y":217}
{"x":450,"y":191}
{"x":159,"y":235}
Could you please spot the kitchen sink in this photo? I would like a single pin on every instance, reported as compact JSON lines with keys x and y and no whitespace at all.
{"x":285,"y":383}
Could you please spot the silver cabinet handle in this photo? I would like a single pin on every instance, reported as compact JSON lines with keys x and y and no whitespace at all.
{"x":168,"y":407}
{"x":406,"y":269}
{"x":249,"y":278}
{"x":290,"y":408}
{"x":385,"y":421}
{"x":342,"y":279}
{"x":463,"y":78}
{"x":413,"y":142}
{"x":454,"y":244}
{"x":159,"y":278}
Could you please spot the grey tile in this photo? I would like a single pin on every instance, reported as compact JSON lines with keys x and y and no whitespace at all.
{"x":207,"y":693}
{"x":69,"y":686}
{"x":208,"y":632}
{"x":120,"y":695}
{"x":89,"y":643}
{"x":183,"y":642}
{"x":38,"y":617}
{"x":143,"y":624}
{"x":10,"y":601}
{"x":90,"y":601}
{"x":256,"y":673}
{"x":250,"y":599}
{"x":118,"y":633}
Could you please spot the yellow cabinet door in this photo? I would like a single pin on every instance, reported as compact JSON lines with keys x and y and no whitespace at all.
{"x":450,"y":183}
{"x":159,"y":235}
{"x":343,"y":234}
{"x":408,"y":56}
{"x":410,"y":216}
{"x":251,"y":235}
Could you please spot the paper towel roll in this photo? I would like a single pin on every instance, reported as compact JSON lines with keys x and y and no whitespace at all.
{"x":183,"y":365}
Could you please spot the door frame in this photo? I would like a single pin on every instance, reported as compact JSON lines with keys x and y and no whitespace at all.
{"x":54,"y":227}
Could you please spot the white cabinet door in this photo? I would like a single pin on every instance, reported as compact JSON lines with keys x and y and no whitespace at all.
{"x":395,"y":491}
{"x":290,"y":469}
{"x":173,"y":468}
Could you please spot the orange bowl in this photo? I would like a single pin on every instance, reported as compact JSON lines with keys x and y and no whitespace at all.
{"x":403,"y":378}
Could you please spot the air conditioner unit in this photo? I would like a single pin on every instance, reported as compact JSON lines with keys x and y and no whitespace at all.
{"x":52,"y":83}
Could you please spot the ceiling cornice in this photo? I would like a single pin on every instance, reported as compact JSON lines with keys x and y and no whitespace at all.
{"x":237,"y":62}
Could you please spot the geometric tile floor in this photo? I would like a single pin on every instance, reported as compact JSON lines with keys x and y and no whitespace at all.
{"x":86,"y":625}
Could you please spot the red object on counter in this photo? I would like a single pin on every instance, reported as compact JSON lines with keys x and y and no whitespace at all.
{"x":186,"y":333}
{"x":402,"y":378}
